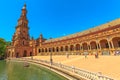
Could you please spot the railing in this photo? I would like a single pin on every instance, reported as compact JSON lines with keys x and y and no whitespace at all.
{"x":82,"y":73}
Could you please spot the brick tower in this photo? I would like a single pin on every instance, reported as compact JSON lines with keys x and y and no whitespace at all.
{"x":21,"y":46}
{"x":21,"y":36}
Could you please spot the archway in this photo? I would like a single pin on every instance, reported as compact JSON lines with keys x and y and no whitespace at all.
{"x":57,"y":49}
{"x":42,"y":50}
{"x":77,"y":47}
{"x":45,"y":49}
{"x":25,"y":53}
{"x":39,"y":50}
{"x":17,"y":55}
{"x":116,"y":42}
{"x":93,"y":45}
{"x":31,"y":54}
{"x":66,"y":48}
{"x":61,"y":49}
{"x":71,"y":47}
{"x":104,"y":44}
{"x":53,"y":50}
{"x":85,"y":47}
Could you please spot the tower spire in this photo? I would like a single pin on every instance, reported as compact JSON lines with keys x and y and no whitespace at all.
{"x":23,"y":17}
{"x":24,"y":7}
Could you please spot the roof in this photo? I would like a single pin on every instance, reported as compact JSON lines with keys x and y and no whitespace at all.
{"x":95,"y":29}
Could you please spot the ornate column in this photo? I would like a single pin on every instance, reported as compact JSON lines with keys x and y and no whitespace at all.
{"x":89,"y":46}
{"x":89,"y":49}
{"x":109,"y":44}
{"x":112,"y":44}
{"x":109,"y":41}
{"x":81,"y":48}
{"x":98,"y":45}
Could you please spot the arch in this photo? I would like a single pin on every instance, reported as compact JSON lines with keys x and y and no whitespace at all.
{"x":49,"y":49}
{"x":104,"y":43}
{"x":31,"y":54}
{"x":45,"y":49}
{"x":57,"y":49}
{"x":42,"y":50}
{"x":61,"y":49}
{"x":71,"y":47}
{"x":39,"y":50}
{"x":53,"y":49}
{"x":85,"y":46}
{"x":25,"y":53}
{"x":93,"y":45}
{"x":23,"y":42}
{"x":77,"y":47}
{"x":66,"y":48}
{"x":17,"y":55}
{"x":116,"y":42}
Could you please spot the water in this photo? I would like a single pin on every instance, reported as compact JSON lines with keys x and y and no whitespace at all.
{"x":16,"y":71}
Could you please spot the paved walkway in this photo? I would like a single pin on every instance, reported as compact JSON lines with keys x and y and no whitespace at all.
{"x":107,"y":65}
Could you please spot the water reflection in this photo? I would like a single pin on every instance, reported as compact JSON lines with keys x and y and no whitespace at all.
{"x":17,"y":71}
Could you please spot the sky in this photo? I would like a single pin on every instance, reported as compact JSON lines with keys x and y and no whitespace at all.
{"x":56,"y":18}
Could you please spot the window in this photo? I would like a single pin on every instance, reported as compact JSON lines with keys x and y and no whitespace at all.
{"x":39,"y":50}
{"x":119,"y":43}
{"x":23,"y":42}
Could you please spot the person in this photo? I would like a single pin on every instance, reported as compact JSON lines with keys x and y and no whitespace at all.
{"x":73,"y":68}
{"x":85,"y":55}
{"x":67,"y":55}
{"x":96,"y":55}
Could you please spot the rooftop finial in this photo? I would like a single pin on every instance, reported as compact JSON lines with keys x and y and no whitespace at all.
{"x":24,"y":7}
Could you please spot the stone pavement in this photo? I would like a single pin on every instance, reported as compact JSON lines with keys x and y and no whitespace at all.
{"x":107,"y":65}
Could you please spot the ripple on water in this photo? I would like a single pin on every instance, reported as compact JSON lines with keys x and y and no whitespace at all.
{"x":16,"y":71}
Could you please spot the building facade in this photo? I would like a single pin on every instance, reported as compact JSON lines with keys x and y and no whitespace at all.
{"x":103,"y":39}
{"x":22,"y":45}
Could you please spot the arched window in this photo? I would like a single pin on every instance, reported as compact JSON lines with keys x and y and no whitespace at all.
{"x":119,"y":43}
{"x":25,"y":53}
{"x":39,"y":50}
{"x":66,"y":48}
{"x":31,"y":54}
{"x":57,"y":49}
{"x":61,"y":49}
{"x":23,"y":42}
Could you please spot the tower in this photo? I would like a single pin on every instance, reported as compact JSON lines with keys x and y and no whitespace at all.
{"x":21,"y":36}
{"x":21,"y":40}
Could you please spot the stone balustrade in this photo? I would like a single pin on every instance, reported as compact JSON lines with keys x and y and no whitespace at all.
{"x":82,"y":73}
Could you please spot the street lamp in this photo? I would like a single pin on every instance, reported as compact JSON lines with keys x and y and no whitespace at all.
{"x":51,"y":60}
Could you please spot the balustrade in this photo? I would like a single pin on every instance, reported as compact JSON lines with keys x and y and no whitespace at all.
{"x":83,"y":73}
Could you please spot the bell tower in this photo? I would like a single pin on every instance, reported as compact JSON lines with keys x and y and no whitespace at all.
{"x":21,"y":36}
{"x":22,"y":45}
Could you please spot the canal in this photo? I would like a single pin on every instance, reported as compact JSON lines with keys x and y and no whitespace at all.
{"x":17,"y":71}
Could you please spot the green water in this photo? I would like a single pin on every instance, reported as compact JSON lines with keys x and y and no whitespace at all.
{"x":16,"y":71}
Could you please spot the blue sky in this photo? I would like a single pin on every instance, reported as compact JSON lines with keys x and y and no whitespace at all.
{"x":56,"y":18}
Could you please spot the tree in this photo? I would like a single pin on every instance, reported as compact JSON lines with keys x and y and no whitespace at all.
{"x":3,"y":45}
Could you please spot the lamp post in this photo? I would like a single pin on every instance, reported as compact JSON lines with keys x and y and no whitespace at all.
{"x":32,"y":53}
{"x":51,"y":60}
